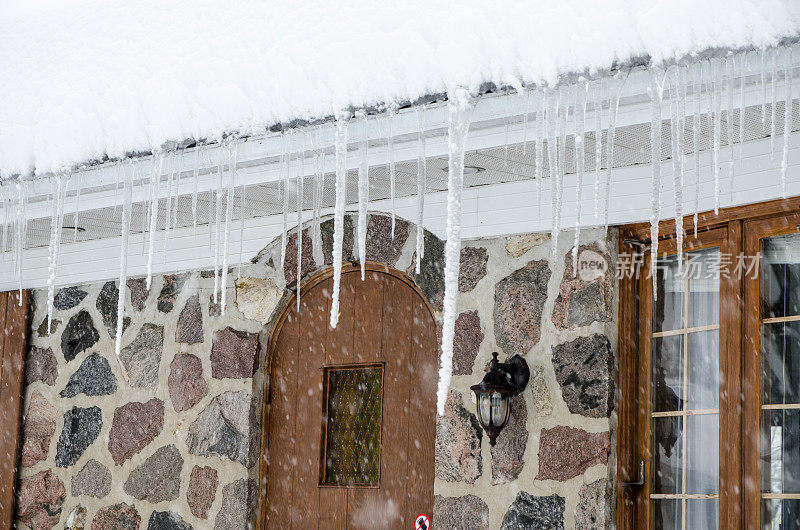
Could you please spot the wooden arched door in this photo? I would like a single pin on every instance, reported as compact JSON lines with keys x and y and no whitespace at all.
{"x":351,"y":416}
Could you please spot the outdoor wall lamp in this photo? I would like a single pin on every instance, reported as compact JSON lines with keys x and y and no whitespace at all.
{"x":499,"y":385}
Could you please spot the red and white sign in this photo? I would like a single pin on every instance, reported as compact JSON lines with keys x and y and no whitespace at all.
{"x":421,"y":522}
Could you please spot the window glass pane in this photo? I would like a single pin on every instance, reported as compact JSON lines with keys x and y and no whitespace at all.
{"x":666,"y":513}
{"x":780,"y":363}
{"x":667,"y":454}
{"x":701,"y":513}
{"x":668,"y":373}
{"x":780,"y":276}
{"x":353,"y":429}
{"x":780,"y":451}
{"x":703,"y":270}
{"x":704,"y":370}
{"x":668,"y":307}
{"x":703,"y":442}
{"x":780,"y":514}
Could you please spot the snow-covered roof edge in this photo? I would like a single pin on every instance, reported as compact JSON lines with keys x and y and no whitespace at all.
{"x":206,"y":71}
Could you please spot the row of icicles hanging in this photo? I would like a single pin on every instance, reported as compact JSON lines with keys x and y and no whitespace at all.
{"x":691,"y":90}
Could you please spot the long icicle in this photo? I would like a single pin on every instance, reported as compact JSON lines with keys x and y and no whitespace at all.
{"x":242,"y":217}
{"x":217,"y":223}
{"x":168,"y":200}
{"x":55,"y":242}
{"x":299,"y":187}
{"x":232,"y":151}
{"x":199,"y":155}
{"x":656,"y":90}
{"x":552,"y":152}
{"x":676,"y":129}
{"x":79,"y":185}
{"x":716,"y":97}
{"x":390,"y":154}
{"x":284,"y":162}
{"x":598,"y":143}
{"x":562,"y":115}
{"x":125,"y":231}
{"x":787,"y":116}
{"x":619,"y":80}
{"x":421,"y":188}
{"x":582,"y":93}
{"x":155,"y":180}
{"x":774,"y":106}
{"x":698,"y":99}
{"x":459,"y":104}
{"x":363,"y":194}
{"x":541,"y":109}
{"x":340,"y":146}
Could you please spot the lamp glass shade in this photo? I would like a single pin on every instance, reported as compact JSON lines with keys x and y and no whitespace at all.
{"x":493,"y":409}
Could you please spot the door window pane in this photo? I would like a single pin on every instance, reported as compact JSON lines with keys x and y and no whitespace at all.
{"x":685,"y":392}
{"x":780,"y":514}
{"x":353,"y":430}
{"x":779,"y":442}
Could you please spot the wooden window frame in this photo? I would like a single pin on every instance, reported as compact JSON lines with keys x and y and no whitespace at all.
{"x":735,"y":230}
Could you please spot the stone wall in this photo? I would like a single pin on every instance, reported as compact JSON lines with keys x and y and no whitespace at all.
{"x":553,"y":464}
{"x":167,"y":434}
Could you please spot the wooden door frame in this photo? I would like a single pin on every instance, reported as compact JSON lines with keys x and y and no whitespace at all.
{"x":15,"y":323}
{"x":277,"y":325}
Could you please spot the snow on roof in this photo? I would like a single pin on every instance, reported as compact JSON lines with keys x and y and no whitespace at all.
{"x":89,"y":79}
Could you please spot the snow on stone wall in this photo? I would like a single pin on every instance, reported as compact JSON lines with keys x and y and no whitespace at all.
{"x":139,"y":445}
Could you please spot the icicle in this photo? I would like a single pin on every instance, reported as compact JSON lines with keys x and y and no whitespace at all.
{"x":774,"y":107}
{"x":319,"y":175}
{"x":6,"y":207}
{"x":656,"y":91}
{"x":539,"y":148}
{"x":505,"y":146}
{"x":284,"y":162}
{"x":716,"y":96}
{"x":232,"y":151}
{"x":363,"y":194}
{"x":155,"y":179}
{"x":125,"y":231}
{"x":116,"y":187}
{"x":526,"y":94}
{"x":217,"y":223}
{"x":459,"y":105}
{"x":742,"y":108}
{"x":198,"y":154}
{"x":581,"y":95}
{"x":598,"y":143}
{"x":300,"y":197}
{"x":242,"y":217}
{"x":340,"y":147}
{"x":55,"y":242}
{"x":168,"y":202}
{"x":730,"y":71}
{"x":562,"y":115}
{"x":422,"y":171}
{"x":178,"y":174}
{"x":698,"y":98}
{"x":787,"y":116}
{"x":390,"y":154}
{"x":77,"y":209}
{"x":612,"y":131}
{"x":763,"y":74}
{"x":676,"y":128}
{"x":552,"y":157}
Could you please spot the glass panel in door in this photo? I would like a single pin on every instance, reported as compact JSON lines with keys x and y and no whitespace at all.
{"x":684,"y":491}
{"x":779,"y":278}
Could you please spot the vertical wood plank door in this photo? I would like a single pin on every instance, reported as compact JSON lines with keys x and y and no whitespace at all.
{"x":351,"y":410}
{"x":13,"y":341}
